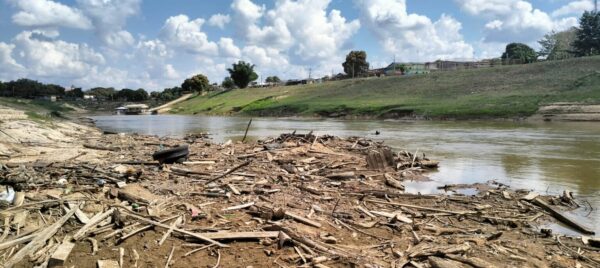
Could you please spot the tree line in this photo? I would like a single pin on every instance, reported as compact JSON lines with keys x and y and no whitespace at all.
{"x":579,"y":41}
{"x":31,"y":89}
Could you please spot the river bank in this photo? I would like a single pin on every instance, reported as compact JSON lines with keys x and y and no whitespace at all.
{"x":292,"y":200}
{"x":506,"y":92}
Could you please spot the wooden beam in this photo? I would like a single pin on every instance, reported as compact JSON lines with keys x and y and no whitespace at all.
{"x":562,"y":217}
{"x":40,"y":240}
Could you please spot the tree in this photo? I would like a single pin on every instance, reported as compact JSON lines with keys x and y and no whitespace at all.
{"x":74,"y":93}
{"x":242,"y":73}
{"x":356,"y":64}
{"x":558,"y":45}
{"x":587,"y":42}
{"x":140,"y":95}
{"x":519,"y":52}
{"x":273,"y":79}
{"x":103,"y":93}
{"x":548,"y":43}
{"x":197,"y":83}
{"x":228,"y":83}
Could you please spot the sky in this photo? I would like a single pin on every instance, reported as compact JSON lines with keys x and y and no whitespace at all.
{"x":157,"y":44}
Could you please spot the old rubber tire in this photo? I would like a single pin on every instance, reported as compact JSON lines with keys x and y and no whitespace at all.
{"x":170,"y":156}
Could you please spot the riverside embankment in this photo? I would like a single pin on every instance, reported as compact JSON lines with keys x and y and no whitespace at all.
{"x":516,"y":91}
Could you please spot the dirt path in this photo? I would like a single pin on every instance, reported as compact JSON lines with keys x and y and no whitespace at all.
{"x":167,"y":106}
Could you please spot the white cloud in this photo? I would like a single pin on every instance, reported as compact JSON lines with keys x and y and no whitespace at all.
{"x":180,"y":31}
{"x":109,"y":18}
{"x":46,"y":13}
{"x":228,"y":49}
{"x":8,"y":65}
{"x":515,"y":20}
{"x":293,"y":35}
{"x":574,"y":8}
{"x":46,"y":57}
{"x":170,"y":72}
{"x":414,"y":37}
{"x":219,"y":20}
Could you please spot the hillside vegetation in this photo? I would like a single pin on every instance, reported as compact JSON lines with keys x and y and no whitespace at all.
{"x":503,"y":91}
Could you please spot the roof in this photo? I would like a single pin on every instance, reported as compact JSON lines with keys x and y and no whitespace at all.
{"x":134,"y":106}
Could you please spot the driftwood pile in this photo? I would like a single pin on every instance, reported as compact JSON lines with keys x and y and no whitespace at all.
{"x":299,"y":200}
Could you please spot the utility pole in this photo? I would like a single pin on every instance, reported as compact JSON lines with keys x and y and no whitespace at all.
{"x":309,"y":73}
{"x":596,"y":6}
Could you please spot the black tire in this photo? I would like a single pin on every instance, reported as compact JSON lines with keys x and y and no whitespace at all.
{"x":170,"y":156}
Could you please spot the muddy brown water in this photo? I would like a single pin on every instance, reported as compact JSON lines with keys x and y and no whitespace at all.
{"x":547,"y":157}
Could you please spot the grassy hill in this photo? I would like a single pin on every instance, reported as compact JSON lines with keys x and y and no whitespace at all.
{"x":504,"y":91}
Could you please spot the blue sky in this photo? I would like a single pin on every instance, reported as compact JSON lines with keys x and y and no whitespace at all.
{"x":157,"y":44}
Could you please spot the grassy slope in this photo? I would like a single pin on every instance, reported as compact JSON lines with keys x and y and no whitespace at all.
{"x":36,"y":109}
{"x":504,"y":91}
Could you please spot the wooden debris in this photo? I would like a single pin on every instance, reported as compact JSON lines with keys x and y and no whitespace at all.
{"x":91,"y":223}
{"x":197,"y":236}
{"x":59,"y":257}
{"x":39,"y":241}
{"x":108,"y":264}
{"x":175,"y":223}
{"x":561,"y":216}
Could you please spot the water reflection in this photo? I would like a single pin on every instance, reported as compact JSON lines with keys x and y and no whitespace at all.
{"x":546,"y":157}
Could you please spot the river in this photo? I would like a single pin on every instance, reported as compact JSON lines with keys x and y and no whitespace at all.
{"x":547,"y":157}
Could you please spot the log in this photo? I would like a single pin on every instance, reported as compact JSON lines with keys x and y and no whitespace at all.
{"x":195,"y":235}
{"x":40,"y":240}
{"x":562,"y":217}
{"x":390,"y":181}
{"x":59,"y":257}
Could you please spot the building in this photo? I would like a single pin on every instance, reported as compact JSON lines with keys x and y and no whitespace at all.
{"x":133,"y":109}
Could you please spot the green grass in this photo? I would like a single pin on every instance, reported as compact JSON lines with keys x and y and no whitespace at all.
{"x":37,"y":110}
{"x":504,"y":91}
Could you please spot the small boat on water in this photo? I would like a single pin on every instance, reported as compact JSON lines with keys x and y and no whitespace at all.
{"x":133,"y":109}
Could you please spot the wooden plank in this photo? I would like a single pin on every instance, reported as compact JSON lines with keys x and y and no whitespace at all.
{"x":108,"y":264}
{"x":241,"y":235}
{"x":422,"y":208}
{"x":59,"y":257}
{"x":195,"y":235}
{"x":17,"y":241}
{"x":81,"y":216}
{"x":39,"y":241}
{"x":93,"y":222}
{"x":562,"y":217}
{"x":303,"y":220}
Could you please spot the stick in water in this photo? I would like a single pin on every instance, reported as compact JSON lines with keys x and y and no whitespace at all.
{"x":248,"y":127}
